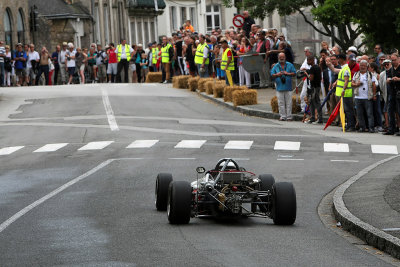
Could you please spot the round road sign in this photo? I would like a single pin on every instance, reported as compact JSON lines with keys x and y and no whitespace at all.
{"x":238,"y":21}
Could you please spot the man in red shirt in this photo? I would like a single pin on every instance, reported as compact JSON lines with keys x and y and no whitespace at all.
{"x":112,"y":63}
{"x":353,"y":65}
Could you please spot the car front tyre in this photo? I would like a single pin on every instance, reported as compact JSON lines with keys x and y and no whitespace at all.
{"x":284,"y":204}
{"x":161,"y":191}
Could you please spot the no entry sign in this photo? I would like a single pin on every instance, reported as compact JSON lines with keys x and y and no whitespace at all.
{"x":238,"y":21}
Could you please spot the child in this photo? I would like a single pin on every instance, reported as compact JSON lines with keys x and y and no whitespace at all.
{"x":307,"y":113}
{"x":144,"y":64}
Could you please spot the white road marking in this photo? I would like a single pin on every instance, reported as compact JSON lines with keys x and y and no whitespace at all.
{"x":336,"y":147}
{"x":190,"y":144}
{"x":291,"y":159}
{"x":286,"y":145}
{"x":9,"y":150}
{"x":391,"y":229}
{"x":384,"y":149}
{"x":50,"y":147}
{"x":182,"y":158}
{"x":96,"y":145}
{"x":238,"y":145}
{"x":110,"y":113}
{"x":143,"y":144}
{"x":343,"y":160}
{"x":28,"y":208}
{"x":285,"y":156}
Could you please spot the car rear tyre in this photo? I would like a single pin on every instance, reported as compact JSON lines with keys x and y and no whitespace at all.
{"x":161,"y":191}
{"x":179,"y":202}
{"x":284,"y":203}
{"x":267,"y":181}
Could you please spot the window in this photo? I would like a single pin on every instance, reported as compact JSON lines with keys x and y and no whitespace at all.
{"x":174,"y":25}
{"x":213,"y":17}
{"x":183,"y":15}
{"x":7,"y":27}
{"x":21,"y":27}
{"x":193,"y":16}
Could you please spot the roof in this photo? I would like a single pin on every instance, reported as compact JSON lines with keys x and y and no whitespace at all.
{"x":145,"y":4}
{"x":58,"y":9}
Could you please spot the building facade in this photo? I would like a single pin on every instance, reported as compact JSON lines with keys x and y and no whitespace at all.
{"x":14,"y":22}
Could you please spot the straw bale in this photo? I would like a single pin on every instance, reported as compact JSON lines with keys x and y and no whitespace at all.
{"x":183,"y":82}
{"x":193,"y":83}
{"x":244,"y":97}
{"x":229,"y":90}
{"x":202,"y":82}
{"x":296,"y":106}
{"x":209,"y":87}
{"x":274,"y":104}
{"x":218,"y":89}
{"x":154,"y":77}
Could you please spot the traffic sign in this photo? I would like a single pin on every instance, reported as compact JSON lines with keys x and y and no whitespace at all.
{"x":238,"y":21}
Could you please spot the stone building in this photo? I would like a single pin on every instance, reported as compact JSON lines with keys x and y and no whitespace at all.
{"x":14,"y":22}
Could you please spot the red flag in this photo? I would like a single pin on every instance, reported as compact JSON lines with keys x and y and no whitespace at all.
{"x":333,"y":115}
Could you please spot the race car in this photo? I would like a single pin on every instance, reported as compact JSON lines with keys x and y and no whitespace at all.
{"x":226,"y":190}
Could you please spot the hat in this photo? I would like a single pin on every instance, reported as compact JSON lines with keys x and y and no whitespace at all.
{"x":150,"y":44}
{"x":19,"y":44}
{"x":64,"y":44}
{"x":140,"y":45}
{"x":352,"y":57}
{"x":223,"y":41}
{"x":352,"y":49}
{"x":386,"y":61}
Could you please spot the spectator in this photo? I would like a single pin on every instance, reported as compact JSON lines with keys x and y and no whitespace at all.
{"x":32,"y":64}
{"x":2,"y":57}
{"x":188,"y":26}
{"x":54,"y":58}
{"x":80,"y":60}
{"x":332,"y":83}
{"x":393,"y":80}
{"x":282,"y":73}
{"x":91,"y":59}
{"x":379,"y":52}
{"x":144,"y":66}
{"x":8,"y":66}
{"x":352,"y":50}
{"x":124,"y":54}
{"x":43,"y":66}
{"x":353,"y":65}
{"x":314,"y":79}
{"x":20,"y":64}
{"x":364,"y":84}
{"x":190,"y":48}
{"x":374,"y":69}
{"x":243,"y":74}
{"x":263,"y":46}
{"x":201,"y":57}
{"x":112,"y":63}
{"x":101,"y":57}
{"x":61,"y":60}
{"x":70,"y":62}
{"x":248,"y":22}
{"x":383,"y":85}
{"x":138,"y":60}
{"x":304,"y":67}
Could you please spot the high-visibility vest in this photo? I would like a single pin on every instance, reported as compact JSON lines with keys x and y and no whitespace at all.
{"x":224,"y":60}
{"x":200,"y":54}
{"x":340,"y":83}
{"x":127,"y":49}
{"x":154,"y":51}
{"x":165,"y":54}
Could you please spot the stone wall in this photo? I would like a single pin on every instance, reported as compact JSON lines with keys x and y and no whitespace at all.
{"x":14,"y":7}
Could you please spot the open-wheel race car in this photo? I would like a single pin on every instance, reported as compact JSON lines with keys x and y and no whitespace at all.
{"x":226,"y":190}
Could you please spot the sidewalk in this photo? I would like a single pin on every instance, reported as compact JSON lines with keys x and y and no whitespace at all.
{"x":368,"y":205}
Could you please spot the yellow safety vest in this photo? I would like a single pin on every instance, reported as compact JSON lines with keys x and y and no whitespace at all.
{"x":165,"y":54}
{"x":224,"y":60}
{"x":340,"y":83}
{"x":128,"y":55}
{"x":155,"y":51}
{"x":200,"y":54}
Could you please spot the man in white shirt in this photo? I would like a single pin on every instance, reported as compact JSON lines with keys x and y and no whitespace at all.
{"x":304,"y":67}
{"x":32,"y":63}
{"x":70,"y":61}
{"x":61,"y":60}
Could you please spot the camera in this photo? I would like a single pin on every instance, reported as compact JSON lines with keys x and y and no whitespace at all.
{"x":283,"y":79}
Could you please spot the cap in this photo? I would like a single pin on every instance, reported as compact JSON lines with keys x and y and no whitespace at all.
{"x":19,"y":44}
{"x":386,"y":61}
{"x":65,"y":44}
{"x":150,"y":44}
{"x":140,"y":45}
{"x":352,"y":57}
{"x":352,"y":49}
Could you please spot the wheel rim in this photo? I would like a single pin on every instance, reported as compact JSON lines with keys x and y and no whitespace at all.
{"x":168,"y":207}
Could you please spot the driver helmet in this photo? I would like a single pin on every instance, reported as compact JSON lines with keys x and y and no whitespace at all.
{"x":231,"y":166}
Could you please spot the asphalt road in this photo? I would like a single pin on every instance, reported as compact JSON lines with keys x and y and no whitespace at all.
{"x":105,"y":213}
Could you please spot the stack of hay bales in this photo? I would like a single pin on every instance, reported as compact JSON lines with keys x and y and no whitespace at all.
{"x":274,"y":104}
{"x":228,"y":90}
{"x":296,"y":107}
{"x":180,"y":82}
{"x":244,"y":97}
{"x":218,"y":89}
{"x":202,"y":83}
{"x":193,"y":83}
{"x":209,"y":87}
{"x":154,"y":77}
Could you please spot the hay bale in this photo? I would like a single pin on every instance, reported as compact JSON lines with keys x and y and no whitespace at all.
{"x":244,"y":97}
{"x":296,"y":104}
{"x":193,"y":83}
{"x":274,"y":104}
{"x":218,"y":89}
{"x":209,"y":87}
{"x":154,"y":77}
{"x":175,"y":81}
{"x":229,"y":90}
{"x":183,"y":82}
{"x":202,"y":83}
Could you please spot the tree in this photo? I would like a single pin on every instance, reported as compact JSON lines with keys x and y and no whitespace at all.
{"x":351,"y":18}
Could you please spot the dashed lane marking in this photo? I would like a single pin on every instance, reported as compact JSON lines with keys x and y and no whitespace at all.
{"x":344,"y":160}
{"x":9,"y":150}
{"x":384,"y":149}
{"x":96,"y":145}
{"x":190,"y":144}
{"x":238,"y":145}
{"x":336,"y":147}
{"x":286,"y":145}
{"x":143,"y":144}
{"x":50,"y":148}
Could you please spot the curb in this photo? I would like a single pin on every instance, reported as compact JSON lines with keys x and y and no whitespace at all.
{"x":371,"y":235}
{"x":246,"y":110}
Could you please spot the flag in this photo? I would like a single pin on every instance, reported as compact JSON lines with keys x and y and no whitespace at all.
{"x":333,"y":115}
{"x":342,"y":116}
{"x":326,"y":98}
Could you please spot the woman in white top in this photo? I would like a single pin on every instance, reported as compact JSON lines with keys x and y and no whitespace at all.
{"x":7,"y":67}
{"x":70,"y":61}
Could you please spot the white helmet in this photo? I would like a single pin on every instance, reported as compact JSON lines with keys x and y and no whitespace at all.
{"x":230,"y":166}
